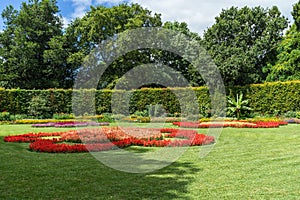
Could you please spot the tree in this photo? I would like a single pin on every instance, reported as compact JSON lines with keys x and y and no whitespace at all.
{"x":6,"y":44}
{"x":176,"y":61}
{"x":59,"y":59}
{"x":242,"y":41}
{"x":296,"y":15}
{"x":287,"y":64}
{"x":101,"y":24}
{"x":24,"y":41}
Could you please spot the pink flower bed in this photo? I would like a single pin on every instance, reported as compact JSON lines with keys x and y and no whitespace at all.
{"x":70,"y":124}
{"x":233,"y":124}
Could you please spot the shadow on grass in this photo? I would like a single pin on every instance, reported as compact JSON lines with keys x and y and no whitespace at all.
{"x":31,"y":175}
{"x":168,"y":183}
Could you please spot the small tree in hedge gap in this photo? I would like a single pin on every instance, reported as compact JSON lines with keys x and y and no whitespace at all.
{"x":156,"y":110}
{"x":38,"y":108}
{"x":237,"y":106}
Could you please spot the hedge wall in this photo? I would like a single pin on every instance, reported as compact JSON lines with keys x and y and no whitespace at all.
{"x":273,"y":97}
{"x":264,"y":98}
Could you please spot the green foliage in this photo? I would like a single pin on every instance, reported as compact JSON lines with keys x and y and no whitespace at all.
{"x":36,"y":53}
{"x":4,"y":116}
{"x":265,"y":99}
{"x":63,"y":116}
{"x":238,"y":107}
{"x":106,"y":117}
{"x":286,"y":66}
{"x":143,"y":113}
{"x":38,"y":107}
{"x":156,"y":110}
{"x":271,"y":98}
{"x":296,"y":15}
{"x":103,"y":23}
{"x":242,"y":41}
{"x":23,"y":44}
{"x":292,"y":114}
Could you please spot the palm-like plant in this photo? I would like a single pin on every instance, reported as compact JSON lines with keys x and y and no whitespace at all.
{"x":237,"y":107}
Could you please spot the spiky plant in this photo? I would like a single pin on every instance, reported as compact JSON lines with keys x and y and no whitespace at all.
{"x":237,"y":107}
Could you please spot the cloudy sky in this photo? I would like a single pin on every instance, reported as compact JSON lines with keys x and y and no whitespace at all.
{"x":198,"y":14}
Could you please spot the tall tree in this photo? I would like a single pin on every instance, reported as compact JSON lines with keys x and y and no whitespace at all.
{"x":178,"y":63}
{"x":24,"y":41}
{"x":64,"y":56}
{"x":102,"y":23}
{"x":287,"y":65}
{"x":296,"y":15}
{"x":7,"y":72}
{"x":242,"y":41}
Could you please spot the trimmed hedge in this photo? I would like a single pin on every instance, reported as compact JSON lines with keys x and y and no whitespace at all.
{"x":277,"y":97}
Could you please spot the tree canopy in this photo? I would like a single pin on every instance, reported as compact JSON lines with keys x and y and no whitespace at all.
{"x":287,"y":62}
{"x":243,"y":40}
{"x":246,"y":44}
{"x":23,"y":43}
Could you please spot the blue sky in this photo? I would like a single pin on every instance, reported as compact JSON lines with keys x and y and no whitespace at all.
{"x":199,"y":14}
{"x":69,"y":9}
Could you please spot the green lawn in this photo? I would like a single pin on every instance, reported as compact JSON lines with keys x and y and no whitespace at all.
{"x":244,"y":164}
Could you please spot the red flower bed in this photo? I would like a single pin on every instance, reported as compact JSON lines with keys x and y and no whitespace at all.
{"x":31,"y":137}
{"x":51,"y":147}
{"x":110,"y":134}
{"x":110,"y":138}
{"x":233,"y":124}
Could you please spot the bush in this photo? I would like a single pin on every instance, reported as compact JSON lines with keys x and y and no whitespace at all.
{"x":290,"y":114}
{"x":63,"y":116}
{"x":156,"y":110}
{"x":298,"y":115}
{"x":38,"y":108}
{"x":106,"y":117}
{"x":5,"y":116}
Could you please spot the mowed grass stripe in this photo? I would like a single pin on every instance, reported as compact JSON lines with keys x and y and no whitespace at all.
{"x":244,"y":163}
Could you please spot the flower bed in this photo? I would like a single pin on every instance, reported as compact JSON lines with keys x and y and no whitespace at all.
{"x":70,"y":124}
{"x":233,"y":124}
{"x":109,"y":138}
{"x":292,"y":121}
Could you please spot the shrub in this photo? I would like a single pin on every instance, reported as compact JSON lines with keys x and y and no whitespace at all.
{"x":106,"y":117}
{"x":291,"y":114}
{"x":38,"y":108}
{"x":63,"y":116}
{"x":156,"y":110}
{"x":5,"y":116}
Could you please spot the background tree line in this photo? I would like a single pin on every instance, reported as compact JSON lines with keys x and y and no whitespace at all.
{"x":248,"y":45}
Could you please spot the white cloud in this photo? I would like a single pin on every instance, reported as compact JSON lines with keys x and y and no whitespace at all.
{"x":66,"y":22}
{"x":80,"y":7}
{"x":200,"y":14}
{"x":109,"y":1}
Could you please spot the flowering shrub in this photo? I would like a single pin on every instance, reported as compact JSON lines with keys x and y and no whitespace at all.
{"x":233,"y":124}
{"x":109,"y":138}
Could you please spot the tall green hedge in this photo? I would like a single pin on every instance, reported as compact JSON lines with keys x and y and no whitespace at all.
{"x":274,"y":97}
{"x":264,"y":98}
